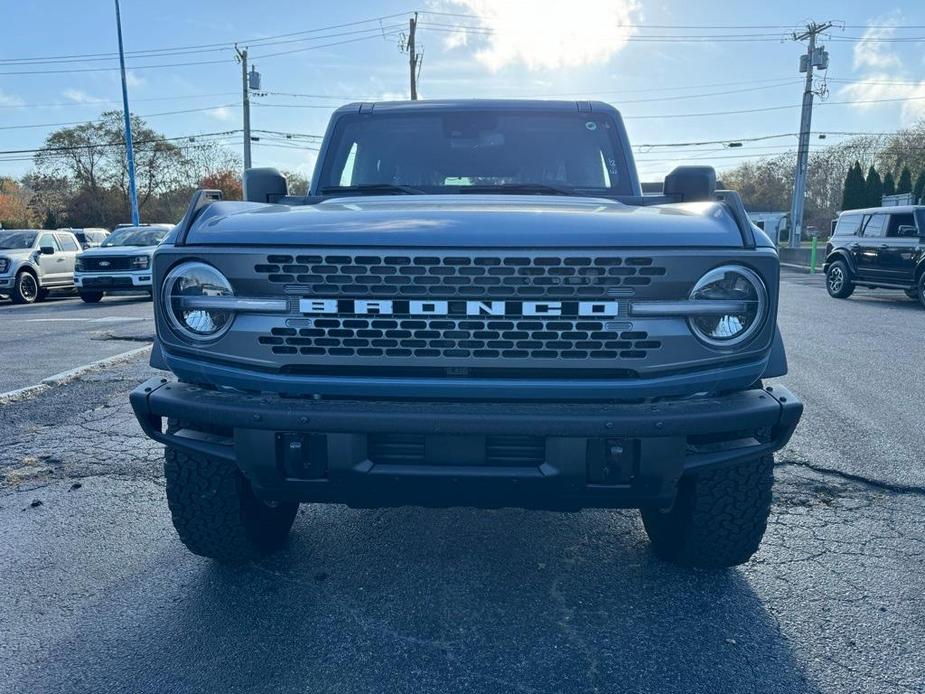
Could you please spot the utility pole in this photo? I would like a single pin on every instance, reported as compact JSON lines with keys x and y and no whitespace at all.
{"x":129,"y":150}
{"x":242,"y":57}
{"x":413,"y":60}
{"x":815,"y":57}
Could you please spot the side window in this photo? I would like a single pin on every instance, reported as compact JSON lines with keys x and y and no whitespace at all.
{"x":900,"y":226}
{"x":875,"y":227}
{"x":848,"y":225}
{"x":67,"y":243}
{"x":49,"y":240}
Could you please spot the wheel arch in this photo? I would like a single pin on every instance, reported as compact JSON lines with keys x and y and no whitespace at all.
{"x":919,"y":271}
{"x":32,"y":270}
{"x":839,"y":254}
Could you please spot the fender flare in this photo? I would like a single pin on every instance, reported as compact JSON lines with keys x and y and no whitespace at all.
{"x":29,"y":265}
{"x":919,"y":270}
{"x":839,"y":254}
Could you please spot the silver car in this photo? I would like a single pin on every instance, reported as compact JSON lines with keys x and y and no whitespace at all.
{"x":34,"y":261}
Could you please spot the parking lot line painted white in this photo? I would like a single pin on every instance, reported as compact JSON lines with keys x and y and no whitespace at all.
{"x":104,"y":319}
{"x":118,"y":319}
{"x":50,"y":320}
{"x":65,"y":377}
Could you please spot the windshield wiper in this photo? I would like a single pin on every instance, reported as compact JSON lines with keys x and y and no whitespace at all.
{"x":372,"y":189}
{"x":520,"y":189}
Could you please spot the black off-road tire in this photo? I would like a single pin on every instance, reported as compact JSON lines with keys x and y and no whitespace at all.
{"x":920,"y":289}
{"x":215,"y":511}
{"x":92,"y":297}
{"x":839,"y":281}
{"x":718,"y":518}
{"x":25,"y":289}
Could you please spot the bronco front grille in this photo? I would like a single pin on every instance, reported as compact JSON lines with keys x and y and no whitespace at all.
{"x":470,"y":338}
{"x":448,"y":276}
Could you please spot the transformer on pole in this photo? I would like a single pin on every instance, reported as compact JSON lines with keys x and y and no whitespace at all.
{"x":815,"y":57}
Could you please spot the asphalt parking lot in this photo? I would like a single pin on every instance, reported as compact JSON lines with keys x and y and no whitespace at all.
{"x":63,"y":332}
{"x":100,"y":596}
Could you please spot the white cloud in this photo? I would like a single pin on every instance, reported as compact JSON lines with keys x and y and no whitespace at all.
{"x":545,"y":35}
{"x":80,"y":97}
{"x":872,"y":52}
{"x":222,"y":113}
{"x":885,"y":76}
{"x":10,"y":99}
{"x":133,"y":80}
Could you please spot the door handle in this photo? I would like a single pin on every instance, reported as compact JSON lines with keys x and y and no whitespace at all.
{"x":884,"y":246}
{"x":854,"y":246}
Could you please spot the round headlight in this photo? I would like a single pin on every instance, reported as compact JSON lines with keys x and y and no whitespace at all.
{"x":184,"y":289}
{"x":740,"y":309}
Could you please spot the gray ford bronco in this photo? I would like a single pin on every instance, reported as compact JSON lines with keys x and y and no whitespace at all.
{"x":474,"y":305}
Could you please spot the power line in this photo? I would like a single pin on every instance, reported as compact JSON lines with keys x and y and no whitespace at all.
{"x":103,"y":102}
{"x":201,"y":62}
{"x":221,"y":46}
{"x":776,"y":108}
{"x":101,"y":120}
{"x":69,"y":148}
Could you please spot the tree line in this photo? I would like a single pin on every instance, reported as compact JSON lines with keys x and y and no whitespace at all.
{"x":868,"y":191}
{"x":79,"y":176}
{"x":766,"y":184}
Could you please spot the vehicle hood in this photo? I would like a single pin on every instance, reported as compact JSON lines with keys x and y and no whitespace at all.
{"x":116,"y":251}
{"x":17,"y":253}
{"x":483,"y":221}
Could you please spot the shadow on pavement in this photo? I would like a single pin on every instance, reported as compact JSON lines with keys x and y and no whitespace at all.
{"x":415,"y":600}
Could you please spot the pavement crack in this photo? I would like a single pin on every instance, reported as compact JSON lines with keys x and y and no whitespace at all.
{"x":857,"y":479}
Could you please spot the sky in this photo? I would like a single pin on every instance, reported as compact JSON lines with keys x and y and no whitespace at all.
{"x":679,"y":71}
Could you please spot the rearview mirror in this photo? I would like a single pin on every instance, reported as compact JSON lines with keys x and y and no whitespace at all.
{"x":47,"y":250}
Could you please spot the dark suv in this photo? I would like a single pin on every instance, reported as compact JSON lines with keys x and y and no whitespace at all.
{"x":880,"y":247}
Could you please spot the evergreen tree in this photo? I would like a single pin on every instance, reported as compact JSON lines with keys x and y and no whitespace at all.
{"x":854,"y":193}
{"x":873,"y":189}
{"x":917,"y":189}
{"x":889,"y":185}
{"x":905,"y":181}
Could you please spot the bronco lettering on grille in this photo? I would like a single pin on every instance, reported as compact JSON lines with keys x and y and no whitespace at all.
{"x":426,"y":307}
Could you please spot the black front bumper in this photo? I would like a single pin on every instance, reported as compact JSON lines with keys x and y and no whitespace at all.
{"x":534,"y":455}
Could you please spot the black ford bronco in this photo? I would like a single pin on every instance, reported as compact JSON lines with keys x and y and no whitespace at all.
{"x":474,"y":305}
{"x":879,"y":248}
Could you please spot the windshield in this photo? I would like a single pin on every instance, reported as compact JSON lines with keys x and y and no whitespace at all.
{"x":452,"y":151}
{"x":148,"y":236}
{"x":17,"y":239}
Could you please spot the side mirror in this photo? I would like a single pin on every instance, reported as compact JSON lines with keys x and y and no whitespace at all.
{"x":47,"y":250}
{"x":691,"y":183}
{"x":264,"y":185}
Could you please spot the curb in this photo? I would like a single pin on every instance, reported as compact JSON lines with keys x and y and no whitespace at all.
{"x":65,"y":377}
{"x":800,"y":268}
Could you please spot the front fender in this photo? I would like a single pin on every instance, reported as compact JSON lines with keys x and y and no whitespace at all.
{"x":33,"y":267}
{"x":839,"y":254}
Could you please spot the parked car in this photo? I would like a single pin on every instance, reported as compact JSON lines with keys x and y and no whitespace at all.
{"x":90,"y":237}
{"x":122,"y":264}
{"x":878,"y":248}
{"x":34,"y":261}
